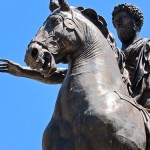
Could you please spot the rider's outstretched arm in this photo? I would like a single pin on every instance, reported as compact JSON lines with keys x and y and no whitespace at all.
{"x":15,"y":69}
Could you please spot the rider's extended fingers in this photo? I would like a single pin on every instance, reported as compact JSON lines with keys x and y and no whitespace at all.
{"x":4,"y":70}
{"x":3,"y":65}
{"x":5,"y":60}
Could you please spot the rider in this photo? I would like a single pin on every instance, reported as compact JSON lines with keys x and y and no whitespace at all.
{"x":128,"y":20}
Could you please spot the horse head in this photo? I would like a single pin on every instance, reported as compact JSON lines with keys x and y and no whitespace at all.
{"x":55,"y":38}
{"x":65,"y":31}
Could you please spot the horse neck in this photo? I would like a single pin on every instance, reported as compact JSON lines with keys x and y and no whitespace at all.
{"x":96,"y":62}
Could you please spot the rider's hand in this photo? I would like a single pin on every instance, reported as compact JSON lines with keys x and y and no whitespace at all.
{"x":8,"y":66}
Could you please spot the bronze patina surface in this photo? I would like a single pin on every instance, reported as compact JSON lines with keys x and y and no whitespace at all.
{"x":93,"y":110}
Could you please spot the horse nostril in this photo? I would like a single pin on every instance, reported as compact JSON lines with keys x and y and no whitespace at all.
{"x":34,"y":53}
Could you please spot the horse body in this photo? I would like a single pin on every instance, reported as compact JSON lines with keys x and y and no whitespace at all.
{"x":88,"y":115}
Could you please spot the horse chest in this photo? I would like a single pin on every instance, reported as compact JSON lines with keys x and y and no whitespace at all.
{"x":78,"y":96}
{"x":71,"y":99}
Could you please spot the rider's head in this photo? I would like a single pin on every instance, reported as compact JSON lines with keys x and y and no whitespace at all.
{"x":132,"y":10}
{"x":128,"y":21}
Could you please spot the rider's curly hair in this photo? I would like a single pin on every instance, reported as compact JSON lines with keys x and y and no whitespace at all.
{"x":131,"y":9}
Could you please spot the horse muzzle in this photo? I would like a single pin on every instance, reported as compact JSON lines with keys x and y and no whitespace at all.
{"x":38,"y":57}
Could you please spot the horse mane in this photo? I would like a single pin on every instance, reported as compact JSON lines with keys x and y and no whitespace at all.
{"x":96,"y":19}
{"x":100,"y":23}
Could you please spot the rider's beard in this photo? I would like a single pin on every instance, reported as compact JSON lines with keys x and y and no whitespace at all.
{"x":126,"y":33}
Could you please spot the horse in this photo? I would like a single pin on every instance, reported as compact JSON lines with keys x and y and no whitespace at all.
{"x":93,"y":110}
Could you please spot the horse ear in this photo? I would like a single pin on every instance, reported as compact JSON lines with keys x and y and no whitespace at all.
{"x":63,"y":5}
{"x":53,"y":5}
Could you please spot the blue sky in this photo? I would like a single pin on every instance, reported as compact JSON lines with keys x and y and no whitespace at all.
{"x":26,"y":106}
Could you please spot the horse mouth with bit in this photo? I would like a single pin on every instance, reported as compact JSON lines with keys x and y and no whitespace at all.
{"x":38,"y":57}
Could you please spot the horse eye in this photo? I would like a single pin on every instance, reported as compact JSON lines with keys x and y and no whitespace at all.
{"x":55,"y":21}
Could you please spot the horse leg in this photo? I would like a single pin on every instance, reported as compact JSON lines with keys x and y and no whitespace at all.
{"x":83,"y":143}
{"x":50,"y":136}
{"x":57,"y":136}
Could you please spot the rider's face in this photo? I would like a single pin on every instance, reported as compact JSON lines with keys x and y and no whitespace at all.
{"x":125,"y":26}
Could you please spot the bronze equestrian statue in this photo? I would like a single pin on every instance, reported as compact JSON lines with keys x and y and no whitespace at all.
{"x":93,"y":110}
{"x":90,"y":111}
